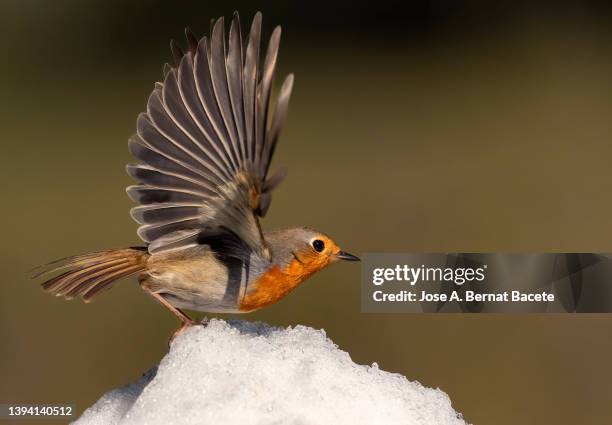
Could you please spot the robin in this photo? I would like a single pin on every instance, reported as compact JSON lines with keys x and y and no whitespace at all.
{"x":205,"y":144}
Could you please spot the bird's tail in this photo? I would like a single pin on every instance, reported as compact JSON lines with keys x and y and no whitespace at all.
{"x":89,"y":274}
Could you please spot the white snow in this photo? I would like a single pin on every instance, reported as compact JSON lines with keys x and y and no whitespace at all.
{"x":250,"y":373}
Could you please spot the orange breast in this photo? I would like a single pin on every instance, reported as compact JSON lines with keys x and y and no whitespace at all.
{"x":276,"y":283}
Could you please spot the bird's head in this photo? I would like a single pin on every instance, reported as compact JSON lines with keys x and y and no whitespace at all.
{"x":308,"y":248}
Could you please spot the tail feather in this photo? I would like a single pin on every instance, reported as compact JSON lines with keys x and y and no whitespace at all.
{"x":90,"y":274}
{"x":76,"y":273}
{"x":83,"y":279}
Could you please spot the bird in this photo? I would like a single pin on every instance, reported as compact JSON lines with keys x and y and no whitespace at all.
{"x":204,"y":147}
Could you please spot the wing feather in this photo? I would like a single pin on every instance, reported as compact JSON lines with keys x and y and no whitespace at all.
{"x":177,"y":111}
{"x":189,"y":95}
{"x":206,"y":142}
{"x":280,"y":115}
{"x":163,"y":163}
{"x":165,"y":125}
{"x":151,"y":232}
{"x":147,"y":195}
{"x":234,"y":82}
{"x":218,"y":73}
{"x":207,"y":97}
{"x":164,"y":213}
{"x":265,"y":91}
{"x":180,"y":239}
{"x":249,"y":79}
{"x":192,"y":40}
{"x":177,"y":52}
{"x":151,"y":176}
{"x":148,"y":133}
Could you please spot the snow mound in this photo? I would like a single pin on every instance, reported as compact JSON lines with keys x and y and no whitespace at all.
{"x":250,"y":373}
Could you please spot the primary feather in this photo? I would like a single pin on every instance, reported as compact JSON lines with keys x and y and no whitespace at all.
{"x":207,"y":140}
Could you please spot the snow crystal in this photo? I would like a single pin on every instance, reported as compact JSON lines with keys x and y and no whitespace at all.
{"x":250,"y":373}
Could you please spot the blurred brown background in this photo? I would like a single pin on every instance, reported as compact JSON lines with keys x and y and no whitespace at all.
{"x":450,"y":126}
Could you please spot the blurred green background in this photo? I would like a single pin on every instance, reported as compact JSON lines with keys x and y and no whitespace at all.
{"x":449,"y":126}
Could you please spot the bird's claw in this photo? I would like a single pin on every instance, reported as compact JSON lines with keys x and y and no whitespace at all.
{"x":185,"y":325}
{"x":180,"y":330}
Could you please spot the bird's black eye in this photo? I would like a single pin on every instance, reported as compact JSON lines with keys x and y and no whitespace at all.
{"x":318,"y":245}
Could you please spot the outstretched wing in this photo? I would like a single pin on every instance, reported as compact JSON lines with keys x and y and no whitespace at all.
{"x":206,"y":142}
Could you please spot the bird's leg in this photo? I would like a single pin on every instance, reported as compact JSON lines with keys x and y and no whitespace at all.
{"x":186,"y":321}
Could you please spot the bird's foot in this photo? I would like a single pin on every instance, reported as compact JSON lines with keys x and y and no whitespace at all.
{"x":183,"y":328}
{"x":187,"y":324}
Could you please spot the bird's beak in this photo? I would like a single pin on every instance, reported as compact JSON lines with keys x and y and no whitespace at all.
{"x":341,"y":255}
